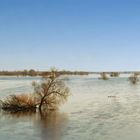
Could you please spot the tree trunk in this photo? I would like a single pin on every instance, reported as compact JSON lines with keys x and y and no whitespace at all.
{"x":40,"y":105}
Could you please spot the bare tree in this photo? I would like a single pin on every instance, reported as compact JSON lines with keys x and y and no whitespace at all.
{"x":50,"y":92}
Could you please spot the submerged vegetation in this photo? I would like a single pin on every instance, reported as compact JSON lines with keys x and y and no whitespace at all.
{"x":103,"y":76}
{"x":48,"y":95}
{"x":134,"y":79}
{"x":21,"y":102}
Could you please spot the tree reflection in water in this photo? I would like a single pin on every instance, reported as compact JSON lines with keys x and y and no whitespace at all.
{"x":47,"y":126}
{"x":52,"y":125}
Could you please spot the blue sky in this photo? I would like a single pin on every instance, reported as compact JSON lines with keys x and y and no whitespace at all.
{"x":92,"y":35}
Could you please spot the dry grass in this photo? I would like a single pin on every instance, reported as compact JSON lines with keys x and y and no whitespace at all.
{"x":16,"y":103}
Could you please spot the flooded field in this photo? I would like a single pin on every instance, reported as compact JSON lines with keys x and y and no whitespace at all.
{"x":96,"y":110}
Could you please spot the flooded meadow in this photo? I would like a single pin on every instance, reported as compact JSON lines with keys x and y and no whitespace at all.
{"x":96,"y":110}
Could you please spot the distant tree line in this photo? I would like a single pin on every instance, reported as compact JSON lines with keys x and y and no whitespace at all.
{"x":33,"y":72}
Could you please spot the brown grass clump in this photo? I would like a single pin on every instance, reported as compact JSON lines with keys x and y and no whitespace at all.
{"x":16,"y":103}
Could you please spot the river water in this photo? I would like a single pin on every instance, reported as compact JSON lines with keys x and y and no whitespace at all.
{"x":96,"y":110}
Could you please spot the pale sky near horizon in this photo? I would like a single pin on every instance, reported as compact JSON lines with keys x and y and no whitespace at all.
{"x":91,"y":35}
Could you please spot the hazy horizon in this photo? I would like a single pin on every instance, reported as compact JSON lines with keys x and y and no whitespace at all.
{"x":87,"y":35}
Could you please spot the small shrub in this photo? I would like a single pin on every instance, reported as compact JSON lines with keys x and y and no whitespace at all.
{"x":134,"y":78}
{"x":103,"y":76}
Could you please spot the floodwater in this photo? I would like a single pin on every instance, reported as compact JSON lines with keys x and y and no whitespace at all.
{"x":96,"y":110}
